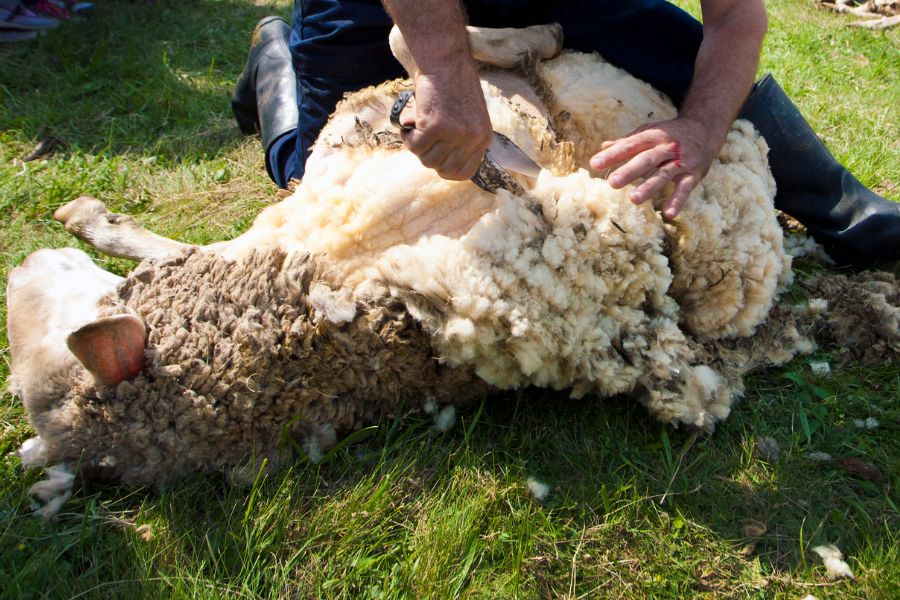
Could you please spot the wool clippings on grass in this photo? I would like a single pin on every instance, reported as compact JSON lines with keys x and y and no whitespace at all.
{"x":801,"y":244}
{"x":821,"y":369}
{"x":767,"y":449}
{"x":859,"y":468}
{"x":835,"y":567}
{"x":539,"y":490}
{"x":430,"y":406}
{"x":145,"y":532}
{"x":753,"y":528}
{"x":319,"y":442}
{"x":819,"y":457}
{"x":445,"y":419}
{"x":818,"y":306}
{"x":870,"y":423}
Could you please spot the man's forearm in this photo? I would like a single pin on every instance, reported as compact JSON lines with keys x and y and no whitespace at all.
{"x":452,"y":128}
{"x":434,"y":31}
{"x":726,"y":63}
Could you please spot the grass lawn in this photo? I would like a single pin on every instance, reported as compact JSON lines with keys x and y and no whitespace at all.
{"x":139,"y":95}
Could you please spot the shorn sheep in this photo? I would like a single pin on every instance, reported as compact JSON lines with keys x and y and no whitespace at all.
{"x":377,"y":284}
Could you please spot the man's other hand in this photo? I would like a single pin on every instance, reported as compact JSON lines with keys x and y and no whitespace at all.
{"x":677,"y":151}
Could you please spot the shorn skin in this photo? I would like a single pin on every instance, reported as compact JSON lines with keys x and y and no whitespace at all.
{"x":378,"y":285}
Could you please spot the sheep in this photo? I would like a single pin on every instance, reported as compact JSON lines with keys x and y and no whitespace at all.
{"x":376,"y":286}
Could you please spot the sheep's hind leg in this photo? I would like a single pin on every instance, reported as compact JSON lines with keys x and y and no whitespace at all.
{"x":113,"y":234}
{"x":505,"y":48}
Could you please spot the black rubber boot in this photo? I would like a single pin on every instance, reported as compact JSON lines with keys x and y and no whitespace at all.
{"x":856,"y":226}
{"x":265,"y":95}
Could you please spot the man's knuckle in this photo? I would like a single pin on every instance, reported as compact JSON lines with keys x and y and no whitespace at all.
{"x":418,"y":141}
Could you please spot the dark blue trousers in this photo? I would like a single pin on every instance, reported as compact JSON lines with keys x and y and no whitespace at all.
{"x":340,"y":46}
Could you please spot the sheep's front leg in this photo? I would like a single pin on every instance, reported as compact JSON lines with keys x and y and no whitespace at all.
{"x":113,"y":234}
{"x":506,"y":48}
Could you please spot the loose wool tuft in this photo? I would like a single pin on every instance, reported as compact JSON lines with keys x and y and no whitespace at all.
{"x":835,"y":567}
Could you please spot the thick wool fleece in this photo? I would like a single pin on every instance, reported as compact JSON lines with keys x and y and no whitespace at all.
{"x":728,"y":256}
{"x":241,"y":355}
{"x":571,"y":297}
{"x":569,"y":285}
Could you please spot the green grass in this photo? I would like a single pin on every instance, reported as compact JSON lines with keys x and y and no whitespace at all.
{"x":140,"y":94}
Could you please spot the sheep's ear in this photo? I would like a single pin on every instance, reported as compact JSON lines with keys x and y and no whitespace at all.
{"x":110,"y":348}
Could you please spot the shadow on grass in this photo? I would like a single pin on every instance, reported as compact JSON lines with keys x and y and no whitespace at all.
{"x":135,"y":77}
{"x":668,"y":509}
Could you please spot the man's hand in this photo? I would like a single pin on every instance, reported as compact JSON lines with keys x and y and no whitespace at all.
{"x":682,"y":149}
{"x":452,"y":126}
{"x":678,"y":151}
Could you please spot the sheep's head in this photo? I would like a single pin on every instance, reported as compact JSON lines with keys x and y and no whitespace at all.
{"x":57,"y":339}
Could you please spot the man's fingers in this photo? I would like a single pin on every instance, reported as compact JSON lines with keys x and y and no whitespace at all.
{"x":621,"y":150}
{"x":451,"y":162}
{"x":611,"y":143}
{"x":675,"y":151}
{"x":418,"y":142}
{"x":435,"y":156}
{"x":639,"y":166}
{"x":407,"y":122}
{"x":452,"y":155}
{"x":471,"y":166}
{"x":459,"y":165}
{"x":654,"y":183}
{"x":684,"y":185}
